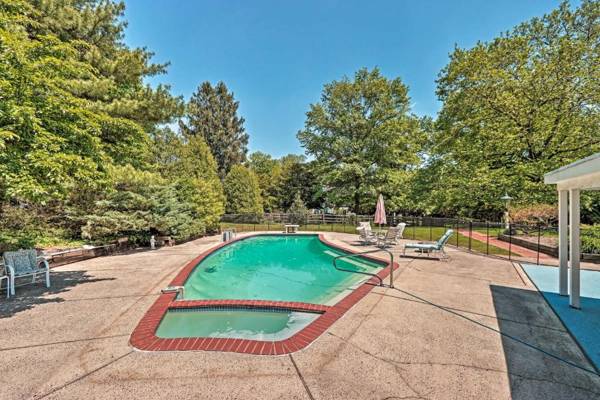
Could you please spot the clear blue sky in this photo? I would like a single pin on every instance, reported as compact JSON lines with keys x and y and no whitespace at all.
{"x":276,"y":55}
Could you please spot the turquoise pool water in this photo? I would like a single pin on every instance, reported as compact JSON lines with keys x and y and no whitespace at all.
{"x":279,"y":268}
{"x":269,"y":325}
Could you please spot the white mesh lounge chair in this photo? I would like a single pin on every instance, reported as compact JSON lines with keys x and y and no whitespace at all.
{"x":432,"y":247}
{"x":24,"y":263}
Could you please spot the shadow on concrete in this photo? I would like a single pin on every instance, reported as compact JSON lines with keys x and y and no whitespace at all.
{"x":30,"y":295}
{"x":532,"y":373}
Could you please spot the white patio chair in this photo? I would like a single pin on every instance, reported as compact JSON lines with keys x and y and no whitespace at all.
{"x":401,"y":226}
{"x":4,"y":277}
{"x":366,"y":236}
{"x":24,"y":263}
{"x":391,"y":237}
{"x":364,"y":224}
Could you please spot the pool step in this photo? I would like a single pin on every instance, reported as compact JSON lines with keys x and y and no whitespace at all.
{"x":350,"y":261}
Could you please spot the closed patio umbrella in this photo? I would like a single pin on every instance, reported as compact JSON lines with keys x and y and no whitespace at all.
{"x":380,"y":212}
{"x":381,"y":220}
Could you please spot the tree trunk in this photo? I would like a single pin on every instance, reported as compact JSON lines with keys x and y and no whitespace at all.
{"x":356,"y":196}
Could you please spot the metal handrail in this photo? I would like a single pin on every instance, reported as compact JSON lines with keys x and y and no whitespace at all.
{"x":368,"y":273}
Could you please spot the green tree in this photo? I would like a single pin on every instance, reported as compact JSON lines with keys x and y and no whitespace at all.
{"x":49,"y":141}
{"x":242,"y":191}
{"x":297,"y":211}
{"x":515,"y":108}
{"x":73,"y":97}
{"x":212,"y":114}
{"x":268,"y":171}
{"x":361,"y":134}
{"x":75,"y":124}
{"x":298,"y":178}
{"x":188,"y":162}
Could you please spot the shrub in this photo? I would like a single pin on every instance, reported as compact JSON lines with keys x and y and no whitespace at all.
{"x":590,"y":239}
{"x":544,"y":214}
{"x":142,"y":203}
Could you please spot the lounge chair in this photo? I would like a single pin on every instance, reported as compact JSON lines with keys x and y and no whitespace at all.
{"x":390,"y":238}
{"x":431,"y":247}
{"x":367,"y":236}
{"x":25,"y":263}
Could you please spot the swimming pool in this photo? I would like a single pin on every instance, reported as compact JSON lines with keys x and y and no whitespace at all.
{"x":260,"y":294}
{"x":275,"y":267}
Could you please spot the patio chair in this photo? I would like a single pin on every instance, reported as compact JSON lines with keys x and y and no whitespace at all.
{"x":367,"y":236}
{"x":4,"y":277}
{"x":364,"y":224}
{"x":390,"y":238}
{"x":25,"y":263}
{"x":431,"y":247}
{"x":401,"y":227}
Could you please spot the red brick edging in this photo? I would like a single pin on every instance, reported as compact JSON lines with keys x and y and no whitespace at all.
{"x":144,"y":335}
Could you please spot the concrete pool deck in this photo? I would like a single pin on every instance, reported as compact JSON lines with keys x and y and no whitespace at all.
{"x":433,"y":337}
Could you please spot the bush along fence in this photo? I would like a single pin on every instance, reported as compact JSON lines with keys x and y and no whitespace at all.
{"x":534,"y":243}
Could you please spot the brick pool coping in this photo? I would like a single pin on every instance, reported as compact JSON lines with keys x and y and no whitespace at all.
{"x":144,"y":335}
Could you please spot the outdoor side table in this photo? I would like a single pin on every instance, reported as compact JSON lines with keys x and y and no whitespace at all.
{"x":291,"y":228}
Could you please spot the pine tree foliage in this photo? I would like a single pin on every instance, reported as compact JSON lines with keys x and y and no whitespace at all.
{"x":212,"y":114}
{"x":78,"y":127}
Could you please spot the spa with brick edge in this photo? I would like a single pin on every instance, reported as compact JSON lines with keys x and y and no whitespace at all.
{"x":144,"y":335}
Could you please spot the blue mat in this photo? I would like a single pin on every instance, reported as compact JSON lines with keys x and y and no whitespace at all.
{"x":584,"y":324}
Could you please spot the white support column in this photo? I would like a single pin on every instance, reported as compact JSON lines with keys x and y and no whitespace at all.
{"x":563,"y":246}
{"x":574,"y":244}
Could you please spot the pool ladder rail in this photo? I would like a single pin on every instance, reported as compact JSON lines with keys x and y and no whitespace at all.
{"x":368,"y":273}
{"x":174,"y":289}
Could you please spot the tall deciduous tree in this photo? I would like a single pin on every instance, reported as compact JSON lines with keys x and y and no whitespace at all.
{"x":242,"y":191}
{"x":516,"y":107}
{"x":361,"y":134}
{"x":212,"y":115}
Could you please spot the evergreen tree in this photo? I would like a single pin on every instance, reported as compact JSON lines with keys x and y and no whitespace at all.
{"x":212,"y":114}
{"x":297,"y":211}
{"x":242,"y":191}
{"x":73,"y":98}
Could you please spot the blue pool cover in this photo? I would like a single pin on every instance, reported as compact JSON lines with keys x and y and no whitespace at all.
{"x":584,"y":324}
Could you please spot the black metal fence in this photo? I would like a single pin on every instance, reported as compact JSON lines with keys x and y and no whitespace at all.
{"x":533,"y":243}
